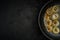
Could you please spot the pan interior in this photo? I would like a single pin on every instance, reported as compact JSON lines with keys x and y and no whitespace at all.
{"x":52,"y":20}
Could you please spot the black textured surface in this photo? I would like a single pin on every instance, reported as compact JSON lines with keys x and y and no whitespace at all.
{"x":19,"y":20}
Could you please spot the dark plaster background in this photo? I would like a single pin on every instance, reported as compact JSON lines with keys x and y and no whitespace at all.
{"x":18,"y":20}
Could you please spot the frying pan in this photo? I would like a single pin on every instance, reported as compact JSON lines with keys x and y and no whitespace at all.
{"x":41,"y":20}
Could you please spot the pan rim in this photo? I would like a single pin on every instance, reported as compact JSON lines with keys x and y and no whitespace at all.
{"x":40,"y":19}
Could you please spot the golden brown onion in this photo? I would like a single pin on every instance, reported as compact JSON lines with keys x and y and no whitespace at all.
{"x":56,"y":30}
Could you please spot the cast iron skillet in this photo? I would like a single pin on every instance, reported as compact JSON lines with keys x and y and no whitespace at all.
{"x":41,"y":20}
